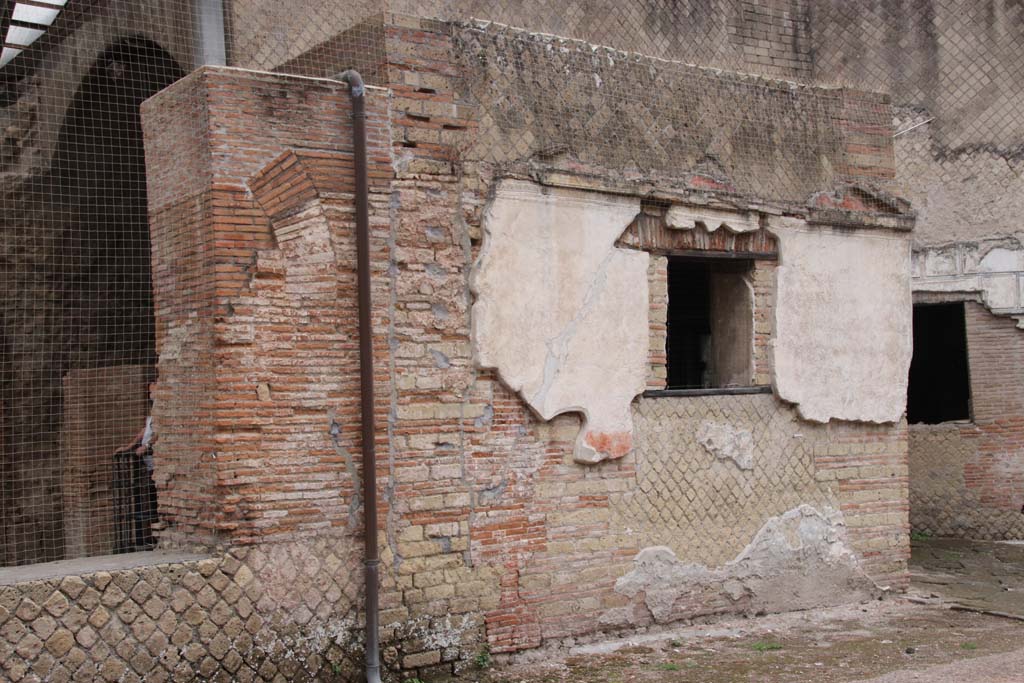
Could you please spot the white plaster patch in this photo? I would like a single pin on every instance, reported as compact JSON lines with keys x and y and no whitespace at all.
{"x":560,"y":312}
{"x":1002,"y":261}
{"x":726,"y":442}
{"x":689,"y":217}
{"x":798,"y":560}
{"x":993,"y":269}
{"x":941,"y":262}
{"x":843,"y":319}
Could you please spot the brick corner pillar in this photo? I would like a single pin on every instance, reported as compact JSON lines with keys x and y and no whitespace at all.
{"x":255,"y":328}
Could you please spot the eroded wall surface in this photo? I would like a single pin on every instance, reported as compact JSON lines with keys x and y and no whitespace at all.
{"x":813,"y":141}
{"x":769,"y":37}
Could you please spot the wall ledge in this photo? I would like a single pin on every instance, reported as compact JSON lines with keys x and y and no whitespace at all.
{"x":10,"y":576}
{"x":721,"y":391}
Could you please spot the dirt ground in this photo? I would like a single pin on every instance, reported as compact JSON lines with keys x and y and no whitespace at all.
{"x":978,"y":574}
{"x":927,"y":635}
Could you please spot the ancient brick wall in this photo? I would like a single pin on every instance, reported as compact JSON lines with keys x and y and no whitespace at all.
{"x":474,"y":458}
{"x":967,"y":479}
{"x":255,"y":298}
{"x":995,"y":349}
{"x":492,"y":537}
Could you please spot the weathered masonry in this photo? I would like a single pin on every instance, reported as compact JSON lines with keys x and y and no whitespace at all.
{"x":582,"y":374}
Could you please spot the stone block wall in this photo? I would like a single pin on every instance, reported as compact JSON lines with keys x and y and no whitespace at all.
{"x":967,"y":478}
{"x":282,"y":611}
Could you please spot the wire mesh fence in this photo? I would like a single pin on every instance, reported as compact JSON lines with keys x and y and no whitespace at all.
{"x":771,"y":99}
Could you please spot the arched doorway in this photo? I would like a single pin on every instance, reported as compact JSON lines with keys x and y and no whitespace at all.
{"x":85,"y":306}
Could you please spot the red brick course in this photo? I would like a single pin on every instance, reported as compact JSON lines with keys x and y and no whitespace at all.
{"x":254,"y":288}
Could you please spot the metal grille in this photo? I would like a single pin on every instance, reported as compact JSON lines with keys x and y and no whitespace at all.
{"x":753,"y":96}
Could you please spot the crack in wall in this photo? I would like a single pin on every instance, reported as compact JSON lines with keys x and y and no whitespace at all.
{"x":558,"y":348}
{"x":466,"y":242}
{"x":334,"y":430}
{"x":394,"y":204}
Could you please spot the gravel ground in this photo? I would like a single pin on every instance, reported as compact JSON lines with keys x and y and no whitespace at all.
{"x":1001,"y":668}
{"x":928,"y":635}
{"x":882,"y":642}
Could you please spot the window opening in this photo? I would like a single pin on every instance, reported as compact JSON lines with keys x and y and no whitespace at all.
{"x":709,"y":340}
{"x":939,"y":386}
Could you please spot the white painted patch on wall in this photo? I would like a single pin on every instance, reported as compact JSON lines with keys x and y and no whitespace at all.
{"x":561,"y":313}
{"x":843,"y":320}
{"x":726,"y":442}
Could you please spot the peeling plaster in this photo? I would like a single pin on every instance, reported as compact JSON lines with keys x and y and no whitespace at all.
{"x":688,"y":218}
{"x":843,"y":316}
{"x":726,"y":442}
{"x":560,"y":312}
{"x":798,"y":560}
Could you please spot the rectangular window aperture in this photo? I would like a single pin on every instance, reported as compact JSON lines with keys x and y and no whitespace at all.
{"x":710,"y":323}
{"x":939,"y":387}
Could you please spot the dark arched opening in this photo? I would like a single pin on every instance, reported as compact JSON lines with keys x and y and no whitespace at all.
{"x":99,"y":170}
{"x":83,"y":321}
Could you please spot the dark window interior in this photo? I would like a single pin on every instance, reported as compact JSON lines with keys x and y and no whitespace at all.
{"x":709,"y":338}
{"x":939,"y":387}
{"x":689,"y":323}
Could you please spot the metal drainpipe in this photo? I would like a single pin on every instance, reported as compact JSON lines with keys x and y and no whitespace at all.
{"x":357,"y":92}
{"x":210,"y":47}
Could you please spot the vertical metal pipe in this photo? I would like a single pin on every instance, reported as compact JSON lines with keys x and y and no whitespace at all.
{"x":209,"y":30}
{"x":357,"y":92}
